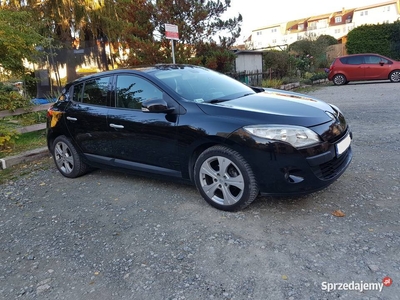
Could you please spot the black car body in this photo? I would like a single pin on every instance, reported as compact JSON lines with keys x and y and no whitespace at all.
{"x":183,"y":121}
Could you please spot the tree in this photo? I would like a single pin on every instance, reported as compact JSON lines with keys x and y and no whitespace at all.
{"x":278,"y":63}
{"x":198,"y":22}
{"x":311,"y":53}
{"x":89,"y":25}
{"x":18,"y":38}
{"x":214,"y":56}
{"x":80,"y":30}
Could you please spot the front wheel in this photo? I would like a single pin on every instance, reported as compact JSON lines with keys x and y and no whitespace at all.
{"x":339,"y":79}
{"x":395,"y":76}
{"x":225,"y":179}
{"x":67,"y":159}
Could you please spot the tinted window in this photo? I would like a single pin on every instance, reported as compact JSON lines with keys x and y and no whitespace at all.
{"x":95,"y":91}
{"x":77,"y":94}
{"x":352,"y":60}
{"x":374,"y":59}
{"x":131,"y":91}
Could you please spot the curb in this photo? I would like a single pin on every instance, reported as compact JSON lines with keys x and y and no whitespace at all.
{"x":23,"y":157}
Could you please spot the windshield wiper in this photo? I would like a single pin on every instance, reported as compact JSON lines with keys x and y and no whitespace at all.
{"x":218,"y":100}
{"x":223,"y":100}
{"x":248,"y":94}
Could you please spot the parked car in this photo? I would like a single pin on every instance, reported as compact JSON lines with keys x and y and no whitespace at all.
{"x":195,"y":124}
{"x":366,"y":66}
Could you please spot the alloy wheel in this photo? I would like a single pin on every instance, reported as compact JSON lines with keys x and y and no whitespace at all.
{"x":395,"y":76}
{"x":63,"y":157}
{"x":221,"y":180}
{"x":339,"y":79}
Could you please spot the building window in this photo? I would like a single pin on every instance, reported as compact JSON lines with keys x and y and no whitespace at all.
{"x":366,"y":13}
{"x":274,"y":41}
{"x":301,"y":27}
{"x":273,"y":30}
{"x":312,"y":25}
{"x":361,"y":13}
{"x":338,"y":19}
{"x":259,"y":32}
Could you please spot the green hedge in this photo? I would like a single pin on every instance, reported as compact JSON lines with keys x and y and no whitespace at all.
{"x":383,"y":39}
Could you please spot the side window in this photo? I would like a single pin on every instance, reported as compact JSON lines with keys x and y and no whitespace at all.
{"x":355,"y":60}
{"x":384,"y":60}
{"x":77,"y":94}
{"x":372,"y":59}
{"x":95,"y":91}
{"x":132,"y":90}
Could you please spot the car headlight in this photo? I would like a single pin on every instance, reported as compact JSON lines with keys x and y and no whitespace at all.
{"x":297,"y":136}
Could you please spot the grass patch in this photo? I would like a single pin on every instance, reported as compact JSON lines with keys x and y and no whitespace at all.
{"x":25,"y":142}
{"x":25,"y":169}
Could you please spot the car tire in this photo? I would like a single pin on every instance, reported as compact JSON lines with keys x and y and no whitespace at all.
{"x":225,"y":179}
{"x":67,"y":159}
{"x":395,"y":76}
{"x":339,"y":79}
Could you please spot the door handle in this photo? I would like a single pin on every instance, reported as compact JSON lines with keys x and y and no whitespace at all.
{"x":72,"y":119}
{"x":116,"y":126}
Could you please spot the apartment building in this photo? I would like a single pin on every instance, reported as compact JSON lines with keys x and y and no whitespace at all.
{"x":337,"y":24}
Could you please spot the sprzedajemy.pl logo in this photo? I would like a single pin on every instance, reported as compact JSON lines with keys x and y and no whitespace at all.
{"x":356,"y":286}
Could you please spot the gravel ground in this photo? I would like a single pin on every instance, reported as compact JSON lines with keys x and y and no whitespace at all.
{"x":112,"y":236}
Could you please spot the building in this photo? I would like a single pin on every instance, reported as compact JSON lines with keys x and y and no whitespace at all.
{"x":337,"y":24}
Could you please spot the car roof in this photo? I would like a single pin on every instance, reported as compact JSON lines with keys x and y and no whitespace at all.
{"x":138,"y":69}
{"x":349,"y":55}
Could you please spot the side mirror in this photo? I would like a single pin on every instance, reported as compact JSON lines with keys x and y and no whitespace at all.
{"x":381,"y":63}
{"x":156,"y":106}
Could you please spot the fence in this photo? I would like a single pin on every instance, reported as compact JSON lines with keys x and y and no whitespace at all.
{"x":21,"y":111}
{"x":250,"y":78}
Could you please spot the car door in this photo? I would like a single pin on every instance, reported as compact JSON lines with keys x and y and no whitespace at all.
{"x":141,"y":140}
{"x":86,"y":116}
{"x":354,"y":68}
{"x":376,"y":67}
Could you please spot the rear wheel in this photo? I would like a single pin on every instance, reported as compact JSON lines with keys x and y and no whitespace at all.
{"x":395,"y":76}
{"x":225,"y":179}
{"x":339,"y":79}
{"x":67,"y":159}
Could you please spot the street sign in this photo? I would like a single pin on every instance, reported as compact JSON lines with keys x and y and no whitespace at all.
{"x":171,"y":32}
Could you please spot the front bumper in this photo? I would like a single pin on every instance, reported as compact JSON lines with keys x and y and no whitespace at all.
{"x":281,"y":169}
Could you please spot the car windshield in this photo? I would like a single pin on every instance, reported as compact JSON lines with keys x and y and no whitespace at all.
{"x":202,"y":85}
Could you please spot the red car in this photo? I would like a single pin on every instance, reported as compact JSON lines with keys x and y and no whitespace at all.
{"x":365,"y":66}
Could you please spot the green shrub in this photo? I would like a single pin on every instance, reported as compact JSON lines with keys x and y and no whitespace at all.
{"x":318,"y":76}
{"x":8,"y":136}
{"x":272,"y":83}
{"x":11,"y":100}
{"x":287,"y":80}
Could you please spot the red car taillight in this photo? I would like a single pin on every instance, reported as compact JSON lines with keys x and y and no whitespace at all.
{"x":49,"y":112}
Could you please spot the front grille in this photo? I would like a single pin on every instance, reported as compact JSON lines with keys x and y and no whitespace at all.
{"x":334,"y":167}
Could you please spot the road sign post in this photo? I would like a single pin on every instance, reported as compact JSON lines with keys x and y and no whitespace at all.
{"x":172,"y":33}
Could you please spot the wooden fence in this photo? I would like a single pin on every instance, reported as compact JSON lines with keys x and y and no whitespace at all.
{"x":21,"y":111}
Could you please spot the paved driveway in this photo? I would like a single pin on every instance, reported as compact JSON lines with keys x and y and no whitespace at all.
{"x":111,"y":236}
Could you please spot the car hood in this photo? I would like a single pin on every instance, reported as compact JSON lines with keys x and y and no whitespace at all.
{"x":274,"y":107}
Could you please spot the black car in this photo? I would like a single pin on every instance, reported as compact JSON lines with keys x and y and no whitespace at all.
{"x":232,"y":141}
